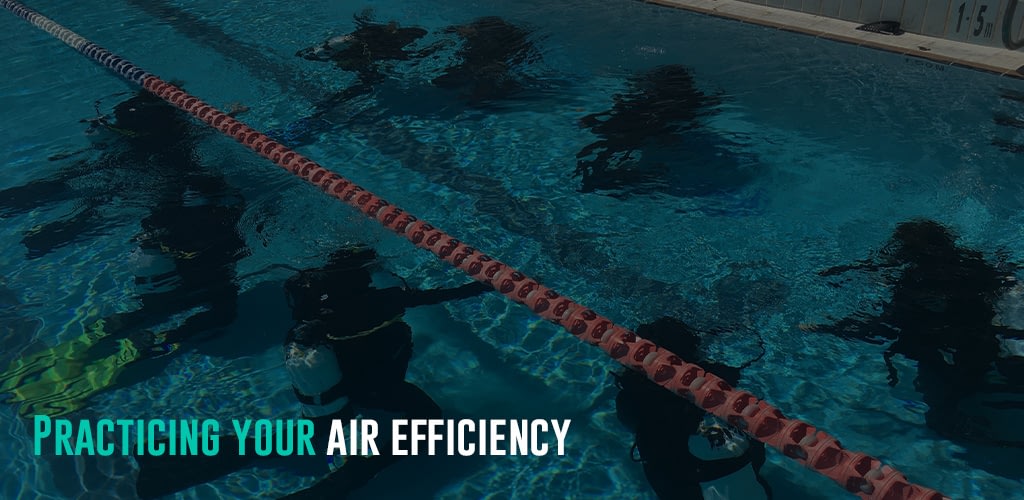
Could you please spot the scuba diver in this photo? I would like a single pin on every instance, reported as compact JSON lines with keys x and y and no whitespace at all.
{"x":91,"y":182}
{"x":652,"y":140}
{"x":491,"y":52}
{"x":185,"y":255}
{"x":347,"y":357}
{"x":483,"y":70}
{"x":364,"y":50}
{"x":956,"y":316}
{"x":685,"y":452}
{"x":139,"y":131}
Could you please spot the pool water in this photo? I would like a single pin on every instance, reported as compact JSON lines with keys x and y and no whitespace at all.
{"x":838,"y":144}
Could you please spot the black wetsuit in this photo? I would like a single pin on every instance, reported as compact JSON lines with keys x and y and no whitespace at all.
{"x":364,"y":50}
{"x":941,"y":317}
{"x":190,"y":225}
{"x":488,"y":65}
{"x":193,"y":223}
{"x":486,"y":68}
{"x":336,"y":306}
{"x":664,"y":423}
{"x":653,"y":139}
{"x":363,"y":326}
{"x":142,"y":140}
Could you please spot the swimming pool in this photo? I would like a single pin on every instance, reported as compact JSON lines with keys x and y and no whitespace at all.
{"x":847,"y":142}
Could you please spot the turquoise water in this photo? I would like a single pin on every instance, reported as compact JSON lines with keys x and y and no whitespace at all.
{"x":848,"y":141}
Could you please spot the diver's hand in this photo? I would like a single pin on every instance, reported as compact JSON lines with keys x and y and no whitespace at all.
{"x":472,"y":289}
{"x":236,"y":108}
{"x":415,"y":298}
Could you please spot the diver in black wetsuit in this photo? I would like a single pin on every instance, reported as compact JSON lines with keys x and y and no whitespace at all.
{"x":140,"y":142}
{"x":687,"y":454}
{"x":347,"y":356}
{"x":492,"y":52}
{"x":187,"y":251}
{"x":193,"y":221}
{"x":485,"y":68}
{"x":944,"y":315}
{"x":364,"y":50}
{"x":126,"y":145}
{"x":652,"y":140}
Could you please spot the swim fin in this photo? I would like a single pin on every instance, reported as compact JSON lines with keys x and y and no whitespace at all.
{"x":58,"y":380}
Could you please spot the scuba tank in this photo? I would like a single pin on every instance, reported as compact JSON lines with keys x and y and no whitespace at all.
{"x":316,"y":377}
{"x":727,"y":469}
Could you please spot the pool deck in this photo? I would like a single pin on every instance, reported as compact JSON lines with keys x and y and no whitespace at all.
{"x":997,"y":60}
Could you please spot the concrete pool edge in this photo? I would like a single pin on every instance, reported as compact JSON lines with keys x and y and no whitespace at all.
{"x":1001,"y":61}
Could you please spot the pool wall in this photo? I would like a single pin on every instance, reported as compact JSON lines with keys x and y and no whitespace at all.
{"x":993,"y":23}
{"x":933,"y":29}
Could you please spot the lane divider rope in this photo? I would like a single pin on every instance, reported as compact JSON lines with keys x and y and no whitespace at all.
{"x":856,"y":472}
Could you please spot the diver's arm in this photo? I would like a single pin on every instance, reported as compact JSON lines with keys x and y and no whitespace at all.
{"x":594,"y":119}
{"x":413,"y":298}
{"x":870,"y":265}
{"x":863,"y":327}
{"x":859,"y":266}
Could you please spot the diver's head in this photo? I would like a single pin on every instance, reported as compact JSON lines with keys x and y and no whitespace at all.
{"x":331,"y":48}
{"x":345,"y":274}
{"x":639,"y":400}
{"x":672,"y":334}
{"x":148,"y":117}
{"x":917,"y":239}
{"x":350,"y":257}
{"x":148,"y":122}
